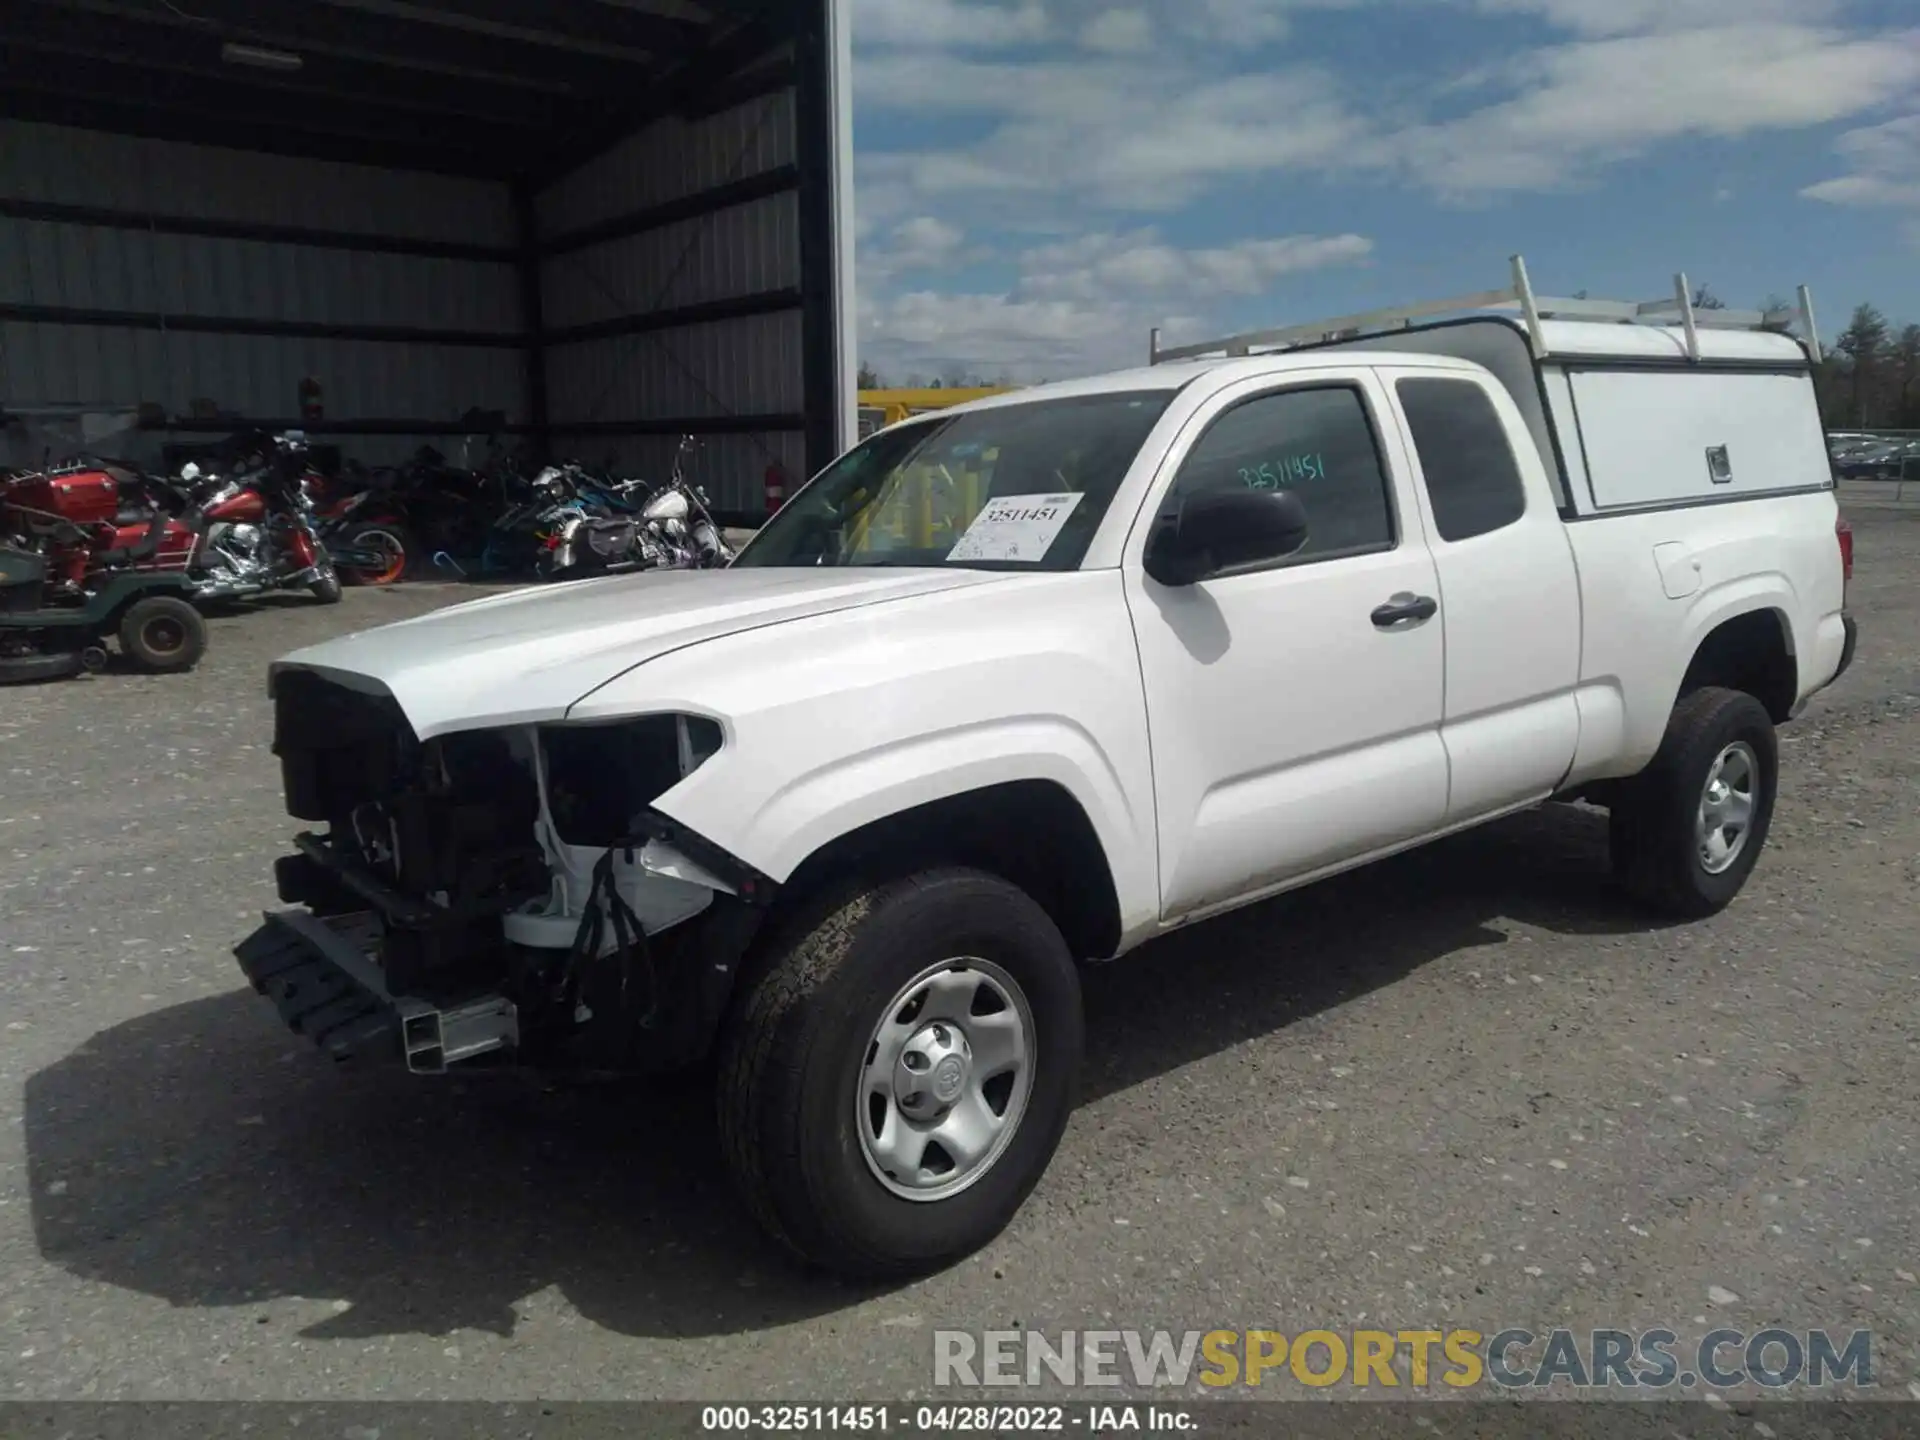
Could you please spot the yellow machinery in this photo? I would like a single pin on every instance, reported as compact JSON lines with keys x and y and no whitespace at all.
{"x":925,"y":505}
{"x":880,"y":408}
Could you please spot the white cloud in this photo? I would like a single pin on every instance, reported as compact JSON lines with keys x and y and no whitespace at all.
{"x":928,"y":334}
{"x":1885,"y":167}
{"x":1245,"y":23}
{"x":911,"y":252}
{"x":1130,"y":134}
{"x":1866,"y":190}
{"x":1053,"y":88}
{"x":1141,"y":266}
{"x":1084,"y":304}
{"x":1078,"y":112}
{"x":1889,"y":149}
{"x":948,"y":24}
{"x":1633,"y":17}
{"x":1118,"y":32}
{"x":926,"y":241}
{"x":1601,"y":101}
{"x":1153,"y":133}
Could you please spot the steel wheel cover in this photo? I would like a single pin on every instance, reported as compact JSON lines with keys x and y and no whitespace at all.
{"x":1727,"y":803}
{"x":945,"y":1079}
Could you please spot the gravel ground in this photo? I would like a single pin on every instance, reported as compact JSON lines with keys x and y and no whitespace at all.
{"x":1462,"y":1088}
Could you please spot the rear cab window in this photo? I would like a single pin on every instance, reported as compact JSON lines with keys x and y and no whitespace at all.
{"x":1466,"y":457}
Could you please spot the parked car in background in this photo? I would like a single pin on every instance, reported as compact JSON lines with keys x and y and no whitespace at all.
{"x":1875,"y":457}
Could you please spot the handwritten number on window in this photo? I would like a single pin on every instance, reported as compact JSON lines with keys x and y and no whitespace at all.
{"x":1289,"y":470}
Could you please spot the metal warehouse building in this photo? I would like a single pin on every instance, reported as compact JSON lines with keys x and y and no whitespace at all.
{"x":615,"y":221}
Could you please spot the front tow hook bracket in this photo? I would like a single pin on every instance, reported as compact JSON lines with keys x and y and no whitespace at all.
{"x":435,"y":1039}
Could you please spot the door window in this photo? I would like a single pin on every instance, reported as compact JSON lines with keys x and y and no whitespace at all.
{"x":1473,"y":481}
{"x":1317,"y":443}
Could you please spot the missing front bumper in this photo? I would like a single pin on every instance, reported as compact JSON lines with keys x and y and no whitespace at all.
{"x":319,"y":977}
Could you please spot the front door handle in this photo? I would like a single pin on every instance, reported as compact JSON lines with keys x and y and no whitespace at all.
{"x":1404,"y":611}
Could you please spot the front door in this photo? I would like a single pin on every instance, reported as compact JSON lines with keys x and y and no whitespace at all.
{"x":1294,"y":710}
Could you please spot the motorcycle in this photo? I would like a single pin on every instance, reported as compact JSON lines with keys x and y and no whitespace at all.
{"x":683,"y":514}
{"x":258,"y":529}
{"x":586,"y":527}
{"x":360,"y":527}
{"x":234,"y":537}
{"x":400,"y":521}
{"x":674,"y":530}
{"x":395,"y":521}
{"x":679,"y":516}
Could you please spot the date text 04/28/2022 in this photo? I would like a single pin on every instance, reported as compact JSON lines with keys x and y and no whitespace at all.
{"x":1091,"y":1419}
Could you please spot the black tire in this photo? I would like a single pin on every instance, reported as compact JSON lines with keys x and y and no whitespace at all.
{"x":163,"y":634}
{"x":795,"y":1049}
{"x":326,"y":587}
{"x":1655,"y":825}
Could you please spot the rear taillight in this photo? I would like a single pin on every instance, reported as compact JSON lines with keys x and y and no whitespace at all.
{"x":1843,"y":532}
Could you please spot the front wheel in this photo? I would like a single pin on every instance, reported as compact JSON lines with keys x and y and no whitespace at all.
{"x":326,"y":585}
{"x":163,"y":634}
{"x":899,"y":1076}
{"x":1687,"y":831}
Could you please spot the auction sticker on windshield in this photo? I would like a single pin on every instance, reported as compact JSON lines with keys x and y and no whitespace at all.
{"x":1015,"y":527}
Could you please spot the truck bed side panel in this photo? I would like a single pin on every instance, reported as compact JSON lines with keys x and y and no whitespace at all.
{"x":1655,"y":583}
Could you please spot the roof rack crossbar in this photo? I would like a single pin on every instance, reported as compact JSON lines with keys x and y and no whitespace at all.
{"x":1532,"y":310}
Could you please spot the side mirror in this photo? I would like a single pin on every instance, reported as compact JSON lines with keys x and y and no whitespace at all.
{"x":1226,"y":530}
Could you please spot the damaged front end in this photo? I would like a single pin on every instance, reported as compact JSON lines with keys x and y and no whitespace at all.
{"x":496,"y":896}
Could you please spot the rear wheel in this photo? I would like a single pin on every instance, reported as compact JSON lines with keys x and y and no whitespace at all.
{"x":376,"y":537}
{"x":163,"y":634}
{"x":1688,"y":830}
{"x":899,"y":1077}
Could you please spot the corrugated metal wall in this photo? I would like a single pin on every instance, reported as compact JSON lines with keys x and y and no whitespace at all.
{"x":741,"y":258}
{"x":116,"y":268}
{"x":670,"y":289}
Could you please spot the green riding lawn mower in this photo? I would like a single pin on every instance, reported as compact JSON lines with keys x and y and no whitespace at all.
{"x":150,"y":614}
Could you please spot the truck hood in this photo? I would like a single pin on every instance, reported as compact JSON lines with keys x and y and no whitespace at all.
{"x":528,"y":655}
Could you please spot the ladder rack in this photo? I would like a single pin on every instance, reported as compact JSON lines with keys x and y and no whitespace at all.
{"x":1533,"y":309}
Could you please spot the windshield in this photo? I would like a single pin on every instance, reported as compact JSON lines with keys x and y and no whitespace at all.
{"x":1013,"y":487}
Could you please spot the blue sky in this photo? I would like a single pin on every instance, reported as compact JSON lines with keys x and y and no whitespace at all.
{"x":1040,"y":181}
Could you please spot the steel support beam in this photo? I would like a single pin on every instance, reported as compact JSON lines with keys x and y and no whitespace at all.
{"x":531,"y":317}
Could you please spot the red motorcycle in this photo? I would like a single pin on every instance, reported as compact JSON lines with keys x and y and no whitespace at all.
{"x":249,"y":533}
{"x":260,"y":532}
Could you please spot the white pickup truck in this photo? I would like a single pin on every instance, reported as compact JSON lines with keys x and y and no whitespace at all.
{"x":1032,"y":681}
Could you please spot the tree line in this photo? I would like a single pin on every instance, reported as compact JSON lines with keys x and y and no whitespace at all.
{"x":1869,"y":378}
{"x":954,"y":377}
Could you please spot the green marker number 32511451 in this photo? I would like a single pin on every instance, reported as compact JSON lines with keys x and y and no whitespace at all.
{"x":1288,"y":470}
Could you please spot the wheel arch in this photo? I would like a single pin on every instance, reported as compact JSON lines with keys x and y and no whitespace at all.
{"x":1033,"y":833}
{"x":782,"y":812}
{"x":1751,"y":650}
